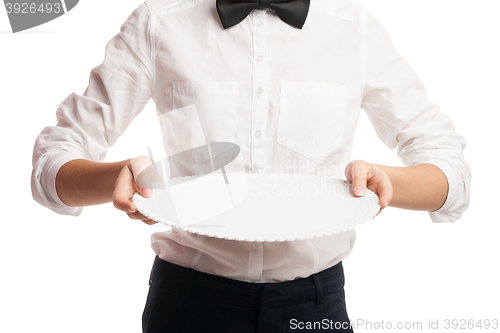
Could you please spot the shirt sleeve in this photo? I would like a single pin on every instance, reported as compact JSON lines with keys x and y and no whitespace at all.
{"x":395,"y":101}
{"x":88,"y":124}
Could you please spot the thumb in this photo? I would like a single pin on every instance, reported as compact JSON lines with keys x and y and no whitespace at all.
{"x":145,"y":174}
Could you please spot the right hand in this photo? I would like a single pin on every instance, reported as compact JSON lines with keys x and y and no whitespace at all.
{"x":126,"y":186}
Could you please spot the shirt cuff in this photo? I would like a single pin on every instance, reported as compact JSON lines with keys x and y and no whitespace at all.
{"x":49,"y":180}
{"x":444,"y":213}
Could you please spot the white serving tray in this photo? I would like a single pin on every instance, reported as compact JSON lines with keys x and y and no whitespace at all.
{"x":259,"y":207}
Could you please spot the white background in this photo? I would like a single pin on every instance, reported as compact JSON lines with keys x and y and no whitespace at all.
{"x":90,"y":273}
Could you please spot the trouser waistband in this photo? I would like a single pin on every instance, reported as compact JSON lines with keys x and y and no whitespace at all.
{"x":191,"y":283}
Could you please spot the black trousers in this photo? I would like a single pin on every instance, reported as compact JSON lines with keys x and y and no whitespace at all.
{"x":184,"y":300}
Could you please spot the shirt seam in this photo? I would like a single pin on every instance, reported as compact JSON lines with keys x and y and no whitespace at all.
{"x":367,"y":61}
{"x":181,"y":5}
{"x":363,"y":62}
{"x":314,"y":253}
{"x":342,"y":17}
{"x":152,"y":47}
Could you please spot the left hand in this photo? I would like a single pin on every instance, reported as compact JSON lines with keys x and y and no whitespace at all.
{"x":365,"y":175}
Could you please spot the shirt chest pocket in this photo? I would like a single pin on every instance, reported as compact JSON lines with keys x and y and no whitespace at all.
{"x":312,"y":117}
{"x":216,"y":103}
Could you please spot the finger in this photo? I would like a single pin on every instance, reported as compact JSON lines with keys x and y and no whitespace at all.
{"x":147,"y":177}
{"x":137,"y":216}
{"x":145,"y":173}
{"x":125,"y":188}
{"x":145,"y":192}
{"x":383,"y":185}
{"x":142,"y":218}
{"x":356,"y":173}
{"x":149,"y":222}
{"x":348,"y":171}
{"x":385,"y":192}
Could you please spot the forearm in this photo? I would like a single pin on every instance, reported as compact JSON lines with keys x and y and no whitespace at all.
{"x":419,"y":187}
{"x":84,"y":183}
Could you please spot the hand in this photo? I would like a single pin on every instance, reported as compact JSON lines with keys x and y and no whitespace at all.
{"x":363,"y":174}
{"x":141,"y":171}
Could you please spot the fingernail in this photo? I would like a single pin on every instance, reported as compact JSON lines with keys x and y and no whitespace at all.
{"x":146,"y":192}
{"x":359,"y":190}
{"x":131,"y":211}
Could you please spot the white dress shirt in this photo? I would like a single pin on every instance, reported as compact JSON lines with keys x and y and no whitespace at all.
{"x":289,"y":98}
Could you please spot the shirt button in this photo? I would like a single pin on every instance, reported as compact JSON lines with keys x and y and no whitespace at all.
{"x":259,"y":24}
{"x":259,"y":91}
{"x":255,"y":247}
{"x":259,"y":58}
{"x":258,"y":134}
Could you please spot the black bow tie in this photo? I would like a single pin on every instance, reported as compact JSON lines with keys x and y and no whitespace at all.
{"x":293,"y":12}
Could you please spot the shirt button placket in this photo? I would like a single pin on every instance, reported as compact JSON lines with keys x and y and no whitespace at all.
{"x":256,"y":261}
{"x":260,"y":94}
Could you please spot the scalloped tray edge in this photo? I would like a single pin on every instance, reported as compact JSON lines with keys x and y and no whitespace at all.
{"x":368,"y":216}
